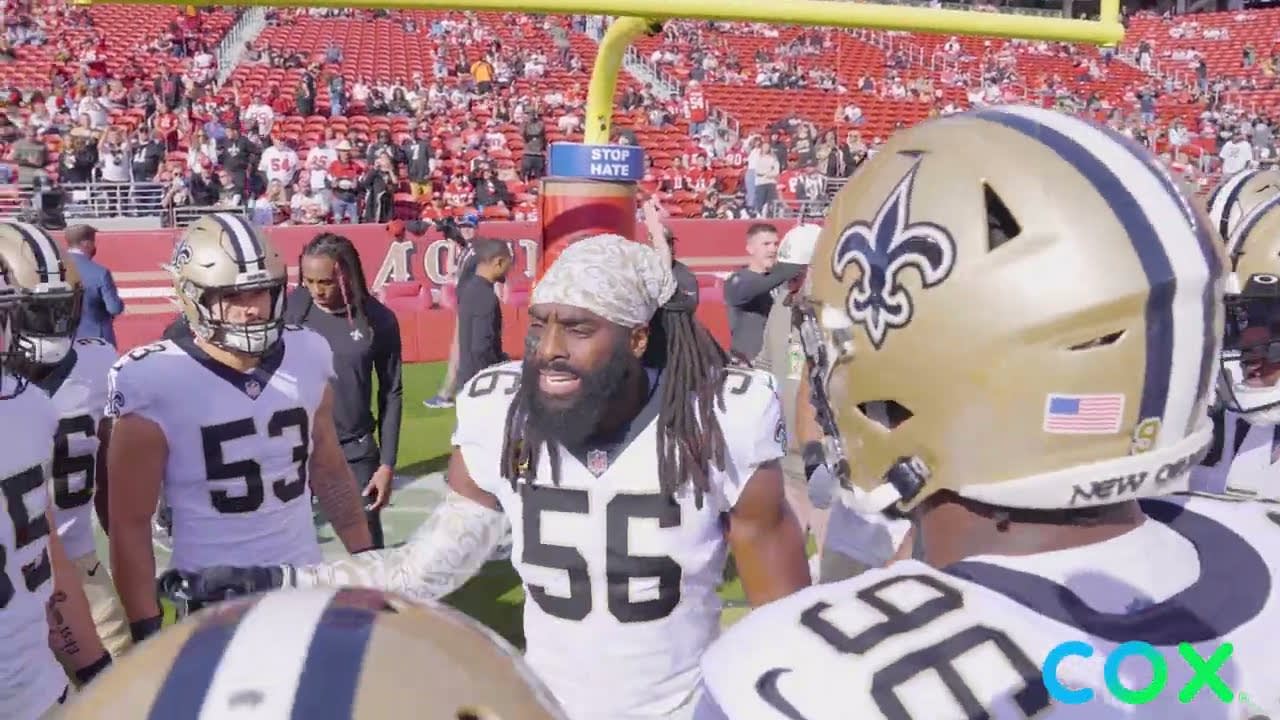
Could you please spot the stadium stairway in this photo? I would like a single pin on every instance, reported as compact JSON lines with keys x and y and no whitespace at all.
{"x":246,"y":30}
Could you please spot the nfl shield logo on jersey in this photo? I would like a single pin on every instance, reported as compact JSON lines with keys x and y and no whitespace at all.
{"x":597,"y":462}
{"x":253,"y":389}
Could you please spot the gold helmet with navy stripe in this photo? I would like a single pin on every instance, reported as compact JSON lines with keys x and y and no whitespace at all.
{"x":320,"y":654}
{"x":1236,"y":196}
{"x":1020,"y":307}
{"x":12,"y":359}
{"x":220,"y":255}
{"x":1250,"y":380}
{"x":50,"y":285}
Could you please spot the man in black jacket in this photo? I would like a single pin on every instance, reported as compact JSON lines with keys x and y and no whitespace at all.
{"x":479,"y":312}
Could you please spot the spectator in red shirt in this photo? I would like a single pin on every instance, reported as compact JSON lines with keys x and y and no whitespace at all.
{"x":344,"y":184}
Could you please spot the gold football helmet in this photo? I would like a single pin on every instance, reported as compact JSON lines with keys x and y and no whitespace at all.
{"x":1250,"y":379}
{"x":1239,"y":194}
{"x":324,"y":654}
{"x":50,"y":285}
{"x":12,"y":360}
{"x":1019,"y":307}
{"x":220,"y":255}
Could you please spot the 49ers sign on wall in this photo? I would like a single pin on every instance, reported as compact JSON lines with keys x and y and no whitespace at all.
{"x":135,"y":258}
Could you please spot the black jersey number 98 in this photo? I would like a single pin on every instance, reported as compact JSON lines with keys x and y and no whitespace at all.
{"x":540,"y":501}
{"x":218,"y":468}
{"x":938,"y":658}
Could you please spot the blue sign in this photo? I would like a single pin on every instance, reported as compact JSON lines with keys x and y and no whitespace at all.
{"x":597,"y":162}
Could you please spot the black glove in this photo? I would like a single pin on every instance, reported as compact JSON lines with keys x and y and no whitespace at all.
{"x":220,"y":583}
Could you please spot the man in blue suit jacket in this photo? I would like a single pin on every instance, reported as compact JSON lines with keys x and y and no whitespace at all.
{"x":101,"y":301}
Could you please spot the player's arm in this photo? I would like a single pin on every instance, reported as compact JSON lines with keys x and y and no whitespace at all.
{"x":72,"y":634}
{"x":139,"y":452}
{"x":448,"y":549}
{"x":764,"y":534}
{"x":101,"y":476}
{"x":766,"y":539}
{"x":332,"y":482}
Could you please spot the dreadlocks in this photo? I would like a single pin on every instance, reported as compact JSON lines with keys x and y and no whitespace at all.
{"x":350,"y":273}
{"x":689,"y":440}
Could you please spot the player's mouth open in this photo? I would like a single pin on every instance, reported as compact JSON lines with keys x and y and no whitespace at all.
{"x":558,"y":383}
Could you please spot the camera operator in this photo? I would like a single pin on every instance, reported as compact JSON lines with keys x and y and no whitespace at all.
{"x":47,"y":203}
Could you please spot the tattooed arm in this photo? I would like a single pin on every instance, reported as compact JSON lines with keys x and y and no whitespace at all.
{"x":72,"y":635}
{"x":453,"y":544}
{"x":332,"y":482}
{"x":450,"y":547}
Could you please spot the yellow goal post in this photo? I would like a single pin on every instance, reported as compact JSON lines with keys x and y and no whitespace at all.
{"x":635,"y":18}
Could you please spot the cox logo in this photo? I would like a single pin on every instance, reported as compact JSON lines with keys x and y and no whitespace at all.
{"x":1204,"y":673}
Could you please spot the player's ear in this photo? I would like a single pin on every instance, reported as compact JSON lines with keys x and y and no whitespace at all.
{"x":639,"y":340}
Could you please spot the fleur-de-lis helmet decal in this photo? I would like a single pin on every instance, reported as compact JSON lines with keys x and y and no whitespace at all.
{"x":882,"y":250}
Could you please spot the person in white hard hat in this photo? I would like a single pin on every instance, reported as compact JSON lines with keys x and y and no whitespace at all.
{"x":782,"y":355}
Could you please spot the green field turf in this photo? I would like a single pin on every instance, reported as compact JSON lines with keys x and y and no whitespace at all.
{"x":494,"y":597}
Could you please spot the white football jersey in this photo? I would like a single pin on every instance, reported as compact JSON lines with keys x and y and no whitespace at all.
{"x":620,"y":580}
{"x":78,"y":386}
{"x":239,"y":444}
{"x":972,"y":640}
{"x":31,"y":680}
{"x":1244,"y":458}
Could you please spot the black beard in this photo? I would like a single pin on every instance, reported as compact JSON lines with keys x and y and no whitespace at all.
{"x":573,"y":424}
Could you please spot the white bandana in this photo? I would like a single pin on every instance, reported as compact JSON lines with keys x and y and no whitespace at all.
{"x":622,"y":281}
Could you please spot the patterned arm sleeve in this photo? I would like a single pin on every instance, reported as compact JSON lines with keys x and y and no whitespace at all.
{"x":451,"y":546}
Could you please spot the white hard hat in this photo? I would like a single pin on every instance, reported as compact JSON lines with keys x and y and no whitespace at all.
{"x":798,"y":244}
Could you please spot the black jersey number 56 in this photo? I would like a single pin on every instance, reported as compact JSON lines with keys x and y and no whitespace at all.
{"x":541,"y":504}
{"x":218,"y":468}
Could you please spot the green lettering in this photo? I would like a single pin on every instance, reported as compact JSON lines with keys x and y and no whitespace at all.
{"x":1206,"y":673}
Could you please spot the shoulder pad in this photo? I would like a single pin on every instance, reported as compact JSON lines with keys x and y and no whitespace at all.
{"x":140,"y":353}
{"x":290,"y":327}
{"x":81,"y":342}
{"x":875,"y":636}
{"x":501,"y":380}
{"x":747,"y":381}
{"x":96,"y":354}
{"x":481,"y":406}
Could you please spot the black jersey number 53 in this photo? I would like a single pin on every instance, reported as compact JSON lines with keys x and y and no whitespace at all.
{"x":218,"y":468}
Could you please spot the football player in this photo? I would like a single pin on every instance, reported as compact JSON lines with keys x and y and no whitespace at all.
{"x":44,"y":616}
{"x":234,"y":422}
{"x":629,"y":459}
{"x":1027,"y":316}
{"x":330,"y":654}
{"x":74,"y":374}
{"x":1237,"y":196}
{"x":1246,"y":433}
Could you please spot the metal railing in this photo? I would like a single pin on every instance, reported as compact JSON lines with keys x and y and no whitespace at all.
{"x":122,"y":202}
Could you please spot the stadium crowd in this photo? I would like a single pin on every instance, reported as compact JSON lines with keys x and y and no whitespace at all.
{"x":307,"y":129}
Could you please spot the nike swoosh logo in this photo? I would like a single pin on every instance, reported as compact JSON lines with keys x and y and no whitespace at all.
{"x":94,"y":571}
{"x":767,"y":688}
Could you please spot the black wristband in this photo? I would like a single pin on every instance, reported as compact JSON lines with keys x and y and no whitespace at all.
{"x":143,"y":629}
{"x":813,"y":456}
{"x":90,"y":671}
